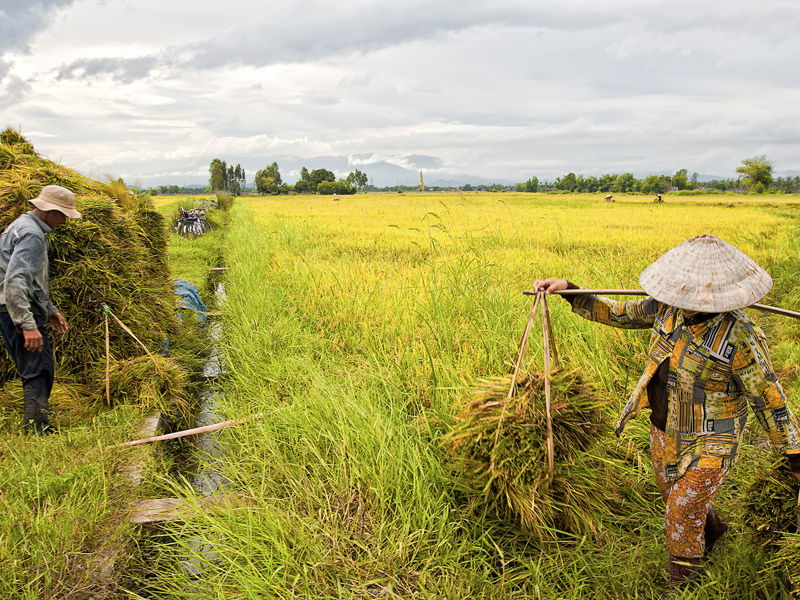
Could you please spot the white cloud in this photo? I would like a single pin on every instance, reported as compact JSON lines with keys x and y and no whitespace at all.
{"x":496,"y":90}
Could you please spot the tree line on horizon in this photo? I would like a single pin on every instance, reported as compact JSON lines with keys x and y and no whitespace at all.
{"x":232,"y":180}
{"x":756,"y":176}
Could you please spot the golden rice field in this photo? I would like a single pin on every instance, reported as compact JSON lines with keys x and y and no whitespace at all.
{"x":360,"y":328}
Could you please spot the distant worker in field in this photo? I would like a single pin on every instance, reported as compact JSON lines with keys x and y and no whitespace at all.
{"x":658,"y":198}
{"x":25,"y":299}
{"x":335,"y":196}
{"x":609,"y":198}
{"x":707,"y":361}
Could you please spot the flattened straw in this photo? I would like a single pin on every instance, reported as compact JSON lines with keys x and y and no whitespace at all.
{"x":546,"y":333}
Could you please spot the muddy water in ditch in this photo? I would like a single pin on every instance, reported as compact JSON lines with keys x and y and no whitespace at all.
{"x":204,"y":481}
{"x":207,"y":450}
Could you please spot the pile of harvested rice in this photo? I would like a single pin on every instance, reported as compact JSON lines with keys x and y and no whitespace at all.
{"x":116,"y":254}
{"x":153,"y":383}
{"x":788,"y":558}
{"x":499,"y":449}
{"x":69,"y":402}
{"x":772,"y":511}
{"x":770,"y":504}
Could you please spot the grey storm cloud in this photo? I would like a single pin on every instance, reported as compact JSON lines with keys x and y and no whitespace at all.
{"x":12,"y":90}
{"x":20,"y":20}
{"x":508,"y":88}
{"x":360,"y":30}
{"x":124,"y":70}
{"x":656,"y":29}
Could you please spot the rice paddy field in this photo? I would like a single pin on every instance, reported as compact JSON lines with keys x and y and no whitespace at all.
{"x":361,"y":329}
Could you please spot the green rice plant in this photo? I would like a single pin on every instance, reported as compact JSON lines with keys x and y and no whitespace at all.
{"x":359,"y":329}
{"x":63,"y":502}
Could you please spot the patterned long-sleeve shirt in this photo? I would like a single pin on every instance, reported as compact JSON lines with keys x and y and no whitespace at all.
{"x":716,"y":369}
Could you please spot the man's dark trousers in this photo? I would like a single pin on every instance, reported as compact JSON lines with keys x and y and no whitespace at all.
{"x":36,"y":369}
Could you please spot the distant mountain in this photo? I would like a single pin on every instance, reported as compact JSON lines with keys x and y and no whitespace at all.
{"x":380,"y":173}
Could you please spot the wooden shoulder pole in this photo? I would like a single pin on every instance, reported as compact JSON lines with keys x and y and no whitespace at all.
{"x":583,"y":292}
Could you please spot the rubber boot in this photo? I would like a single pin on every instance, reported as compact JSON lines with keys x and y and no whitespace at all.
{"x":683,"y":570}
{"x":36,"y":419}
{"x":715,"y":528}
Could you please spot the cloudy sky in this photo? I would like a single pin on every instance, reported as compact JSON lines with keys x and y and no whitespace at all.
{"x":488,"y":90}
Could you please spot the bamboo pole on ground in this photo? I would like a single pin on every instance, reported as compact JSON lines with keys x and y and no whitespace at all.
{"x":184,"y":433}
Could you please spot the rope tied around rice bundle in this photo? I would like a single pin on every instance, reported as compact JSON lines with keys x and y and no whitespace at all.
{"x":547,"y":335}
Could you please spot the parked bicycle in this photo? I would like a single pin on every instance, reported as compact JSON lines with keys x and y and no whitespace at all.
{"x":192,"y":223}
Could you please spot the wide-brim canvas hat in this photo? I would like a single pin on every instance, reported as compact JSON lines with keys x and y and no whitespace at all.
{"x":706,"y":274}
{"x":55,"y":197}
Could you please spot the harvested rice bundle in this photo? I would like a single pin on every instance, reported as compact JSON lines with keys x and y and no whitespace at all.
{"x":788,"y":558}
{"x":154,"y":384}
{"x":499,"y":445}
{"x":770,"y":504}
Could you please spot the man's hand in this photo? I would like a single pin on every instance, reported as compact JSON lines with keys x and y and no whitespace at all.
{"x":797,"y":476}
{"x":550,"y":285}
{"x":33,"y":340}
{"x":58,"y":323}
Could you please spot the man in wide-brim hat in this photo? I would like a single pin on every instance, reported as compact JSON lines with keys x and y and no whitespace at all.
{"x":707,"y":361}
{"x":25,"y":304}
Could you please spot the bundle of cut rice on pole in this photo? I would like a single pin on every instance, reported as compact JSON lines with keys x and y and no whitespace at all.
{"x":533,"y":447}
{"x":772,"y":512}
{"x":771,"y":503}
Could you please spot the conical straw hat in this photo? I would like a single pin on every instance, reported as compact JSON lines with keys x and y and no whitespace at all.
{"x":706,"y":274}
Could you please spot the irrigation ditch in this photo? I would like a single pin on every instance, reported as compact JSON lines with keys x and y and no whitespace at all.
{"x":182,"y":455}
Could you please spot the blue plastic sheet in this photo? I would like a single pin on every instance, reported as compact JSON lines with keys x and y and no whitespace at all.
{"x":189,"y":298}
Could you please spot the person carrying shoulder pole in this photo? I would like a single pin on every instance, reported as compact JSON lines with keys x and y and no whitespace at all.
{"x":707,"y":362}
{"x":25,"y":299}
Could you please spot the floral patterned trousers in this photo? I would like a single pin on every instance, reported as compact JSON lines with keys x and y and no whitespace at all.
{"x":688,"y":499}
